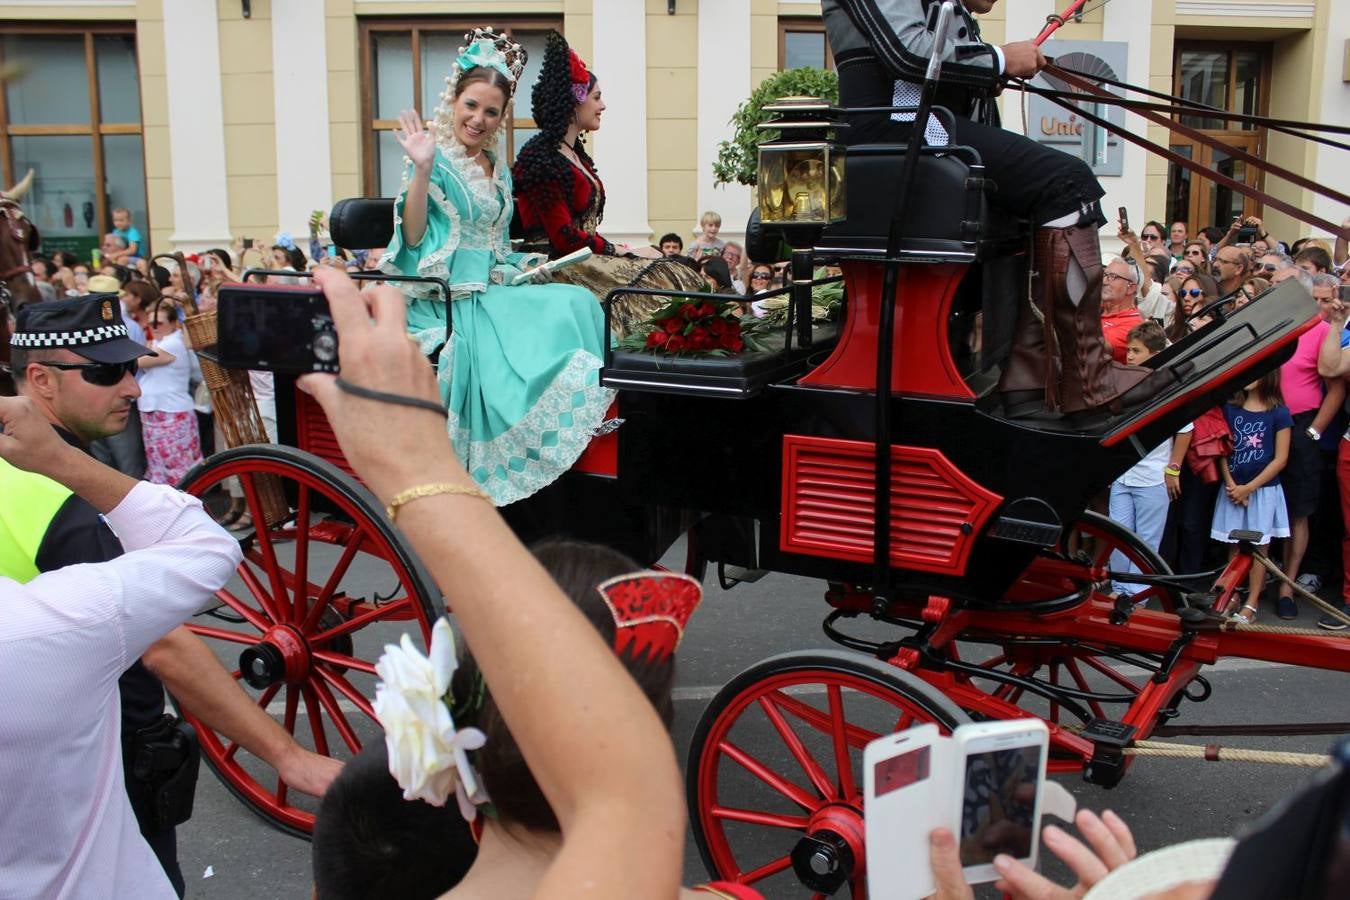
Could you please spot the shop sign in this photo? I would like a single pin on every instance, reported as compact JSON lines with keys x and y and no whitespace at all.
{"x":1051,"y":124}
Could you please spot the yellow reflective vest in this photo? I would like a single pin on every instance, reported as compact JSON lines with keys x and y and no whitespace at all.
{"x":28,"y":503}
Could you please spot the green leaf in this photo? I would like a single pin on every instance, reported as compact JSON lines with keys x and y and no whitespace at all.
{"x":738,"y":159}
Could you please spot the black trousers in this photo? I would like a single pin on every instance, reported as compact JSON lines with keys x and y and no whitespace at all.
{"x":1032,"y":180}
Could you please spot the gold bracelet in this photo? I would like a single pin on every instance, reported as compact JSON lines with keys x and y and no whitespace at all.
{"x":432,"y":490}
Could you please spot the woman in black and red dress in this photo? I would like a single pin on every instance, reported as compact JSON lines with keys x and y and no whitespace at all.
{"x":560,"y":199}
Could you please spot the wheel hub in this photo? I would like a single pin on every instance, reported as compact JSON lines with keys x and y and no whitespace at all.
{"x":830,"y":854}
{"x":281,"y":655}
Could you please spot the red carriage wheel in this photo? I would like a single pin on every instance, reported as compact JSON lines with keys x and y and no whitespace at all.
{"x":1062,"y":572}
{"x":301,"y":625}
{"x":774,"y":776}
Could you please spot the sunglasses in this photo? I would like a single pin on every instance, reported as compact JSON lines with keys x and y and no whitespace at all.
{"x":1269,"y":267}
{"x":754,"y":275}
{"x":1150,"y":237}
{"x":1193,"y":292}
{"x":100,"y":374}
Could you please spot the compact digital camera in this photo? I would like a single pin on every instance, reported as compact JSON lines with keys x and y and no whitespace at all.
{"x":275,"y":328}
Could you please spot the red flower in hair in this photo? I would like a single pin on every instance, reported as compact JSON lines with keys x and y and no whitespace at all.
{"x":580,"y":74}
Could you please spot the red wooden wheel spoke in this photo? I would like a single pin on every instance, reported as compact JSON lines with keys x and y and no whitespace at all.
{"x":341,"y":659}
{"x":238,"y":606}
{"x":798,"y":749}
{"x":345,"y":687}
{"x":334,"y":579}
{"x":288,"y":722}
{"x":230,"y":751}
{"x":764,"y":871}
{"x":1072,"y":665}
{"x":384,"y":610}
{"x":300,"y":587}
{"x":995,"y":662}
{"x":857,"y":737}
{"x":266,"y":602}
{"x":344,"y":728}
{"x":794,"y":793}
{"x":268,"y":695}
{"x":843,"y":763}
{"x":1112,"y":674}
{"x":315,"y":719}
{"x":223,"y":634}
{"x":264,"y":539}
{"x":769,"y":820}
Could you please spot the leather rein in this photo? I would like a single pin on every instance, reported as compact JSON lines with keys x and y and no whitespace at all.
{"x":1163,"y":115}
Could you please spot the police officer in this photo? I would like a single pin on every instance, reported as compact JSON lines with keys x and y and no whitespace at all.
{"x":74,"y":360}
{"x":881,"y":50}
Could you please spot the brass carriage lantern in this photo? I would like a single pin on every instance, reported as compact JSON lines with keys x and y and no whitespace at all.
{"x":801,"y":172}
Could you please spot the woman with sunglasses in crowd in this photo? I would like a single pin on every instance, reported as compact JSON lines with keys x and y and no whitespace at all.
{"x":1197,"y":255}
{"x":1197,"y":292}
{"x":168,"y":421}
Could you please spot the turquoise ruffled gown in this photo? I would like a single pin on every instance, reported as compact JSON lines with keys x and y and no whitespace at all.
{"x":519,"y":374}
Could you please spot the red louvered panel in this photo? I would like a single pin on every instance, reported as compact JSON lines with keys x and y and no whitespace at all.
{"x":315,"y":435}
{"x":828,"y":499}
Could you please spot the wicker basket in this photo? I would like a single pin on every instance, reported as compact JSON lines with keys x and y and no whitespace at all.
{"x":237,"y":414}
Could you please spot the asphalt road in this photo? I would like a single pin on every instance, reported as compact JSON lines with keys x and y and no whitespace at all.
{"x":1164,"y":800}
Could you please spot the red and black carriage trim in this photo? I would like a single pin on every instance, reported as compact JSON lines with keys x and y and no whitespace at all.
{"x":973,"y":597}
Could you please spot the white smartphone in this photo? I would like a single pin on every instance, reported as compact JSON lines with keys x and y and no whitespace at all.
{"x":1001,"y":777}
{"x":900,"y":788}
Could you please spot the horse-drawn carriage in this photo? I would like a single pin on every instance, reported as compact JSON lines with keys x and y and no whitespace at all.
{"x":988,"y":611}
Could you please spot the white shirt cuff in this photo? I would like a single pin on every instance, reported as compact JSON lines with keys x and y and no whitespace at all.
{"x":1002,"y":63}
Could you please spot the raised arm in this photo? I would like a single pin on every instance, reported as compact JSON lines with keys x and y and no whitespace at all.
{"x":898,"y":30}
{"x":1332,"y":361}
{"x":592,"y":740}
{"x":420,"y":147}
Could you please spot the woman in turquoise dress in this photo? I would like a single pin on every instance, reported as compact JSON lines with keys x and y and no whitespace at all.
{"x":519,"y":371}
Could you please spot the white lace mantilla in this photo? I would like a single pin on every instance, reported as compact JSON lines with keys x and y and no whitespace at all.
{"x":538,"y":449}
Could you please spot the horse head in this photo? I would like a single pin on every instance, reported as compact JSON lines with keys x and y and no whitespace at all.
{"x":18,"y":238}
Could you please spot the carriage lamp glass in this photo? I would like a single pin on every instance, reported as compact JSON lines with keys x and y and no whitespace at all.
{"x":801,"y":173}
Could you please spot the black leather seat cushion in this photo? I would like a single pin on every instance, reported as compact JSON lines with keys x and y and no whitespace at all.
{"x":948,"y":213}
{"x":362,"y":223}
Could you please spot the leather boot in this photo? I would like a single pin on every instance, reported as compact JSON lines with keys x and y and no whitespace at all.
{"x":1029,"y":382}
{"x":1090,"y":379}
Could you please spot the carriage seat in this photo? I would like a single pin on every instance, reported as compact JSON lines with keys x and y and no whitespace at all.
{"x":948,"y":216}
{"x":362,"y":223}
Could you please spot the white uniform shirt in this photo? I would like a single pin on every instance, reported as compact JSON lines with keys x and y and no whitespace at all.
{"x":66,"y":825}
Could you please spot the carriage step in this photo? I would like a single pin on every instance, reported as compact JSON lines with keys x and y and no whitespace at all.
{"x":1024,"y":531}
{"x":1109,"y":740}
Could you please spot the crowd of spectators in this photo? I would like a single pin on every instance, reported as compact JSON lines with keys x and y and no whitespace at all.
{"x":174,"y":427}
{"x":1283,"y":433}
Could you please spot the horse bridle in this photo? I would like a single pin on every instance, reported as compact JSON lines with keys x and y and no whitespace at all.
{"x":19,"y":229}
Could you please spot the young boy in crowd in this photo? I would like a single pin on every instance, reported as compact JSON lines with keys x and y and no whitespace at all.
{"x":1139,"y":498}
{"x":708,"y":244}
{"x":122,"y":227}
{"x":672,"y":245}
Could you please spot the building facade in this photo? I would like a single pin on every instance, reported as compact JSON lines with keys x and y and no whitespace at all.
{"x":217,"y":119}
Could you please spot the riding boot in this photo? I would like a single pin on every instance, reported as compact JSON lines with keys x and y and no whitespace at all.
{"x":1030,"y":378}
{"x":1090,"y":379}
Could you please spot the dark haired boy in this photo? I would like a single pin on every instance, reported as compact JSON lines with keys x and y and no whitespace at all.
{"x":671,"y":245}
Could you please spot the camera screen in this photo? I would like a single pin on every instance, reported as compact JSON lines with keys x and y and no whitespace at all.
{"x":900,"y":771}
{"x":264,"y":328}
{"x":999,"y":804}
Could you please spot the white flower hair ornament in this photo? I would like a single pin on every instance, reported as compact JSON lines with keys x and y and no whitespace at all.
{"x":428,"y":756}
{"x":482,"y":47}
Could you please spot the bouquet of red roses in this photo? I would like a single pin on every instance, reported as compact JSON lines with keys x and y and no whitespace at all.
{"x":691,"y":328}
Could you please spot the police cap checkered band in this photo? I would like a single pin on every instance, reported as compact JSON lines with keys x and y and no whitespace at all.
{"x":90,"y":326}
{"x":67,"y":338}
